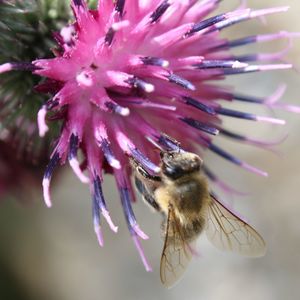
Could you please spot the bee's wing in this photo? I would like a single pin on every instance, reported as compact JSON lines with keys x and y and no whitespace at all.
{"x":228,"y":232}
{"x":176,"y":252}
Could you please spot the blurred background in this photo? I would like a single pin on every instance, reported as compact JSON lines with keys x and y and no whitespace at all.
{"x":53,"y":253}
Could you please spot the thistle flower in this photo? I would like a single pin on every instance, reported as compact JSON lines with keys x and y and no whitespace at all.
{"x":133,"y":76}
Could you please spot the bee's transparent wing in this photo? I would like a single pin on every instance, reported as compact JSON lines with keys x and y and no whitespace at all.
{"x":176,"y":252}
{"x":228,"y":232}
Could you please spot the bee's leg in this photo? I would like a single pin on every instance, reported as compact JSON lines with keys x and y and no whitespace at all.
{"x":142,"y":171}
{"x":147,"y":196}
{"x":147,"y":188}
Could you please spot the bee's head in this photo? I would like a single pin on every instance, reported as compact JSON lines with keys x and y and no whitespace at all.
{"x":177,"y":164}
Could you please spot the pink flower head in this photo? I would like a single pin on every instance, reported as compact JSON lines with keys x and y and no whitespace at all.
{"x":132,"y":77}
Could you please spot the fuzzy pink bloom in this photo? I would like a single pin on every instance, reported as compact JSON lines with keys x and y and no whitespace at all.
{"x":132,"y":74}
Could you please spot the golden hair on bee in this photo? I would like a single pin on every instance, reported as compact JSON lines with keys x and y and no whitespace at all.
{"x":181,"y":193}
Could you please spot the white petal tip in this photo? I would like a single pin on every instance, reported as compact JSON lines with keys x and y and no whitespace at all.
{"x":46,"y":192}
{"x":5,"y":68}
{"x":149,"y":88}
{"x":165,"y":64}
{"x":115,"y":229}
{"x":140,"y":233}
{"x":254,"y":170}
{"x":76,"y":169}
{"x":108,"y":219}
{"x":125,"y":112}
{"x":41,"y":120}
{"x":120,"y":25}
{"x":239,"y":65}
{"x":115,"y":164}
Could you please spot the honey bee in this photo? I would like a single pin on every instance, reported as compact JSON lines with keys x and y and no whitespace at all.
{"x":182,"y":195}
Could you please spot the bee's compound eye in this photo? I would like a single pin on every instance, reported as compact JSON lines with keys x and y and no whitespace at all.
{"x":173,"y":172}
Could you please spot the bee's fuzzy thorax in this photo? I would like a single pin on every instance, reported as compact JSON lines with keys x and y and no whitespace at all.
{"x":187,"y":194}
